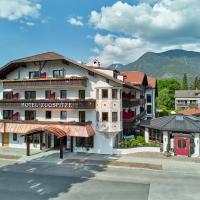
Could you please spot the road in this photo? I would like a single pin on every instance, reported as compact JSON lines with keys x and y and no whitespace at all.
{"x":42,"y":181}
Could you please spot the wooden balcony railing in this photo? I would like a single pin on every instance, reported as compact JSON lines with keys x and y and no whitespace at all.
{"x":49,"y":104}
{"x":45,"y":83}
{"x":186,"y":104}
{"x":130,"y":103}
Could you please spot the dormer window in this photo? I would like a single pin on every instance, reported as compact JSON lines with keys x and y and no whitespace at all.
{"x":34,"y":74}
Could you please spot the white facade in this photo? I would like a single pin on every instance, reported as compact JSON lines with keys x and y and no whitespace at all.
{"x":106,"y":118}
{"x":186,"y":99}
{"x":150,"y":105}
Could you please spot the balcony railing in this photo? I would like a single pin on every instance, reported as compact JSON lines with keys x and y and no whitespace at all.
{"x":186,"y":104}
{"x":49,"y":104}
{"x":45,"y":82}
{"x":130,"y":103}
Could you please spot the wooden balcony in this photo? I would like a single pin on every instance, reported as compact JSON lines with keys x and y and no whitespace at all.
{"x":49,"y":104}
{"x":45,"y":83}
{"x":131,"y":103}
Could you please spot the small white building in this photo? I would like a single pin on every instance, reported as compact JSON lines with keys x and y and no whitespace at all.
{"x":179,"y":134}
{"x":50,"y":101}
{"x":186,"y":99}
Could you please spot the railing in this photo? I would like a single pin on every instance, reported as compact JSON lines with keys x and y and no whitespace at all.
{"x":45,"y":82}
{"x":49,"y":104}
{"x":186,"y":104}
{"x":130,"y":103}
{"x":46,"y":122}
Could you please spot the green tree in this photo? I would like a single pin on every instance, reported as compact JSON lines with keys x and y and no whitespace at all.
{"x":195,"y":84}
{"x":164,"y":100}
{"x":166,"y":92}
{"x":185,"y":82}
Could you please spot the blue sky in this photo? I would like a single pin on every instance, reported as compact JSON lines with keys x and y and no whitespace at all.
{"x":82,"y":30}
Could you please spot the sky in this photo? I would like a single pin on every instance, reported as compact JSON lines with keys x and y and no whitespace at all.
{"x":110,"y":31}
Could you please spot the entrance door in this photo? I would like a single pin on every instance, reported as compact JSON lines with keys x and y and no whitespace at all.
{"x":5,"y":139}
{"x":182,"y":146}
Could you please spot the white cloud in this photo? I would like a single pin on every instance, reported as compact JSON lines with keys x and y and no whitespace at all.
{"x":166,"y":19}
{"x":16,"y":9}
{"x":151,"y":25}
{"x":30,"y":23}
{"x":76,"y":21}
{"x":112,"y":49}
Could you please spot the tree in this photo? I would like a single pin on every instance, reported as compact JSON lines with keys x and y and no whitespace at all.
{"x":185,"y":82}
{"x":166,"y":92}
{"x":195,"y":84}
{"x":164,"y":101}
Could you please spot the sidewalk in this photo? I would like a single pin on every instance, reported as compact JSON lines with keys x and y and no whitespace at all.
{"x":127,"y":161}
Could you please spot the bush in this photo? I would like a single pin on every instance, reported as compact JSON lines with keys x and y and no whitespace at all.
{"x":138,"y":142}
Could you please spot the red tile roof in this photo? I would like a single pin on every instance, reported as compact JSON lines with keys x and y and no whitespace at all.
{"x":194,"y":111}
{"x":151,"y":81}
{"x":134,"y":77}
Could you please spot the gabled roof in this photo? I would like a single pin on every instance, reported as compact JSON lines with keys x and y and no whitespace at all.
{"x":136,"y":77}
{"x":41,"y":57}
{"x":50,"y":56}
{"x":194,"y":111}
{"x":174,"y":123}
{"x":187,"y":93}
{"x":152,"y":82}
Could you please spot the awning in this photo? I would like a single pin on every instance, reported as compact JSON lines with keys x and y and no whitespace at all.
{"x":58,"y":130}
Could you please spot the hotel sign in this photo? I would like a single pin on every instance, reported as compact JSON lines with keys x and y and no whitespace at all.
{"x":50,"y":105}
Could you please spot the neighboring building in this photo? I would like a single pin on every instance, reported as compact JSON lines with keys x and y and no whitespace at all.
{"x":194,"y":112}
{"x":186,"y":99}
{"x":52,"y":100}
{"x":149,"y":87}
{"x":178,"y":133}
{"x":151,"y":94}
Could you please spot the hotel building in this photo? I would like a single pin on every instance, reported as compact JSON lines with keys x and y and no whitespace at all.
{"x":50,"y":101}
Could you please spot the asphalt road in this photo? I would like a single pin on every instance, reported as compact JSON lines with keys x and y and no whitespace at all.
{"x":36,"y":181}
{"x":42,"y":181}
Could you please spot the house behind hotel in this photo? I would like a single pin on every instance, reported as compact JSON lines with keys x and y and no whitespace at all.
{"x":186,"y":99}
{"x":49,"y":96}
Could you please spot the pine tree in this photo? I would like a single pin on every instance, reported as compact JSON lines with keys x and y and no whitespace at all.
{"x":185,"y":82}
{"x":195,"y":84}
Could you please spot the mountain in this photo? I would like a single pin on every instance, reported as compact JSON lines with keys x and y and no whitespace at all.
{"x":118,"y":65}
{"x":168,"y":64}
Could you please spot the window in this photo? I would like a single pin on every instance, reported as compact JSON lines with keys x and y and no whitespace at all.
{"x":48,"y":114}
{"x":30,"y":115}
{"x":7,"y":95}
{"x":30,"y":94}
{"x":148,"y":98}
{"x":81,"y":94}
{"x":63,"y":94}
{"x":14,"y":136}
{"x":114,"y":117}
{"x":104,"y":93}
{"x":181,"y":144}
{"x":48,"y":94}
{"x":114,"y":93}
{"x":149,"y":109}
{"x":91,"y":73}
{"x":104,"y":116}
{"x":63,"y":114}
{"x":8,"y":114}
{"x":58,"y":73}
{"x":34,"y":74}
{"x":85,"y":142}
{"x":97,"y":116}
{"x":81,"y":116}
